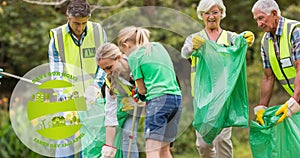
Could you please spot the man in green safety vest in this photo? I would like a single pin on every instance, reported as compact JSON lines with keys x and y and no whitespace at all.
{"x":75,"y":44}
{"x":280,"y":50}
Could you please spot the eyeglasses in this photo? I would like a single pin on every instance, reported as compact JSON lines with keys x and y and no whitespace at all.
{"x":213,"y":13}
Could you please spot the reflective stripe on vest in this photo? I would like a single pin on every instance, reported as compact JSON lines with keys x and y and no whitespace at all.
{"x":126,"y":88}
{"x":283,"y":68}
{"x":225,"y":38}
{"x":80,"y":60}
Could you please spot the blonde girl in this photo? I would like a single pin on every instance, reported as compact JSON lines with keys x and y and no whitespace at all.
{"x":153,"y":71}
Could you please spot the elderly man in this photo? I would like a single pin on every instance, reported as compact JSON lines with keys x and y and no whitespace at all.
{"x":280,"y":50}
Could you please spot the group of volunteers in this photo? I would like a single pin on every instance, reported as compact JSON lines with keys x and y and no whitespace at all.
{"x":137,"y":72}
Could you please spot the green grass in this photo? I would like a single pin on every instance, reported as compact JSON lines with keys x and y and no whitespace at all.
{"x":240,"y":140}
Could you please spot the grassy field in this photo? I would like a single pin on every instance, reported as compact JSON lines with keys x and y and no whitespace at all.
{"x":240,"y":140}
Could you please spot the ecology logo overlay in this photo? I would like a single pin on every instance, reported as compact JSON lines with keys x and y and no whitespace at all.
{"x":48,"y":125}
{"x":57,"y":128}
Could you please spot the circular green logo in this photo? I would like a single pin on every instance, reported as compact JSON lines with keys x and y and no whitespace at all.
{"x":50,"y":125}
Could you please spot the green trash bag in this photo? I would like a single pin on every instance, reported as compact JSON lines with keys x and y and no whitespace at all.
{"x":221,"y":97}
{"x":275,"y":141}
{"x":121,"y":115}
{"x":95,"y":132}
{"x":94,"y":129}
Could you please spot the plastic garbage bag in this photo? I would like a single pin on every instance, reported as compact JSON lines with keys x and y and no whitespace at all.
{"x":275,"y":141}
{"x":221,"y":97}
{"x":95,"y":135}
{"x":94,"y":129}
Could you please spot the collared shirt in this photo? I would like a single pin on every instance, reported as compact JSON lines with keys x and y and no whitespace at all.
{"x":56,"y":64}
{"x":295,"y":41}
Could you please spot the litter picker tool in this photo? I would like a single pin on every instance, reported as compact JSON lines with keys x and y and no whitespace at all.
{"x":17,"y":77}
{"x":132,"y":129}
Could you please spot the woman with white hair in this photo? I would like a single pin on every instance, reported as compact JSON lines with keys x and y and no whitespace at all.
{"x":211,"y":12}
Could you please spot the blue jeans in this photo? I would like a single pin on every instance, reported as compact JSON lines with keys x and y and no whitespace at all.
{"x":162,"y":117}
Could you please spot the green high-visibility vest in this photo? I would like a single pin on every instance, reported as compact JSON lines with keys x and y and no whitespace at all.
{"x":121,"y":114}
{"x":80,"y":60}
{"x":126,"y":88}
{"x":225,"y":38}
{"x":283,"y":67}
{"x":82,"y":56}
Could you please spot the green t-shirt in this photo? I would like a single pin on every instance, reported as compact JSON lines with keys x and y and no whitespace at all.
{"x":156,"y":68}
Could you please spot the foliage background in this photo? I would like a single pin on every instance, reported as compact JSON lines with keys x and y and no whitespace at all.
{"x":24,"y":41}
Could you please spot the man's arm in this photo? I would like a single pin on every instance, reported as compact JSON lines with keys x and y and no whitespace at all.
{"x":267,"y":84}
{"x":297,"y":81}
{"x":295,"y":40}
{"x":99,"y":77}
{"x":56,"y":65}
{"x":55,"y":62}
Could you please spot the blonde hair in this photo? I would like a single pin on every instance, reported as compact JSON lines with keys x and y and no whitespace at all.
{"x":121,"y":68}
{"x":107,"y":51}
{"x":137,"y":35}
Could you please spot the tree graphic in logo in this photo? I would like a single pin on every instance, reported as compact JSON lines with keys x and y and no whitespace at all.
{"x":58,"y":128}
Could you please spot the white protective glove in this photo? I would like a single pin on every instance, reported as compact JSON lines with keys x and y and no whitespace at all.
{"x":288,"y":109}
{"x":90,"y":94}
{"x":108,"y":151}
{"x":259,"y":111}
{"x":60,"y":95}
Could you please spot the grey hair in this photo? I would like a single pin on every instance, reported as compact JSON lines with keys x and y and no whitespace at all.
{"x":107,"y":51}
{"x":205,"y":5}
{"x":79,"y":8}
{"x":266,"y":6}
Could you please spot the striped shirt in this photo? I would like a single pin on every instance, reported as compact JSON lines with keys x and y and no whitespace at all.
{"x":295,"y":41}
{"x":56,"y":64}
